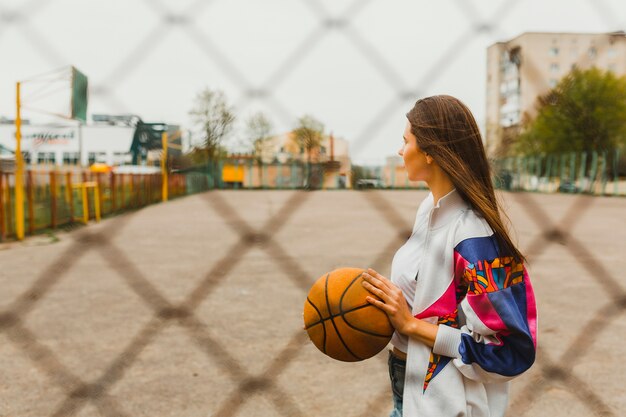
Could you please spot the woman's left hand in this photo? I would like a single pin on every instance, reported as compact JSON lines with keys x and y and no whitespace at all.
{"x":393,"y":302}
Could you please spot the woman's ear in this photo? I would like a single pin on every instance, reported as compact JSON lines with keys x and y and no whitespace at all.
{"x":429,"y":159}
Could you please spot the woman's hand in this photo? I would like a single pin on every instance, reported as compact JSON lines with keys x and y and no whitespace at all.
{"x":393,"y":302}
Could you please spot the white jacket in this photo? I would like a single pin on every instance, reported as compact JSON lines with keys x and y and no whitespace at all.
{"x":485,"y":305}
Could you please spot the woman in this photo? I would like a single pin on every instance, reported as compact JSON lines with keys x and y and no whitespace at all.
{"x":459,"y":296}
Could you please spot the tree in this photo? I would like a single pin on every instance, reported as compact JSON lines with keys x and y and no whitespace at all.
{"x":258,"y":128}
{"x":213,"y":119}
{"x":585,"y":112}
{"x":308,"y":135}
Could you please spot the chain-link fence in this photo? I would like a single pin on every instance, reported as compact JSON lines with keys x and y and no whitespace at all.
{"x":240,"y":235}
{"x":56,"y":198}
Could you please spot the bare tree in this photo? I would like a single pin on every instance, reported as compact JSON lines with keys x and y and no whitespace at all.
{"x":213,"y":118}
{"x":308,"y":134}
{"x":258,"y":128}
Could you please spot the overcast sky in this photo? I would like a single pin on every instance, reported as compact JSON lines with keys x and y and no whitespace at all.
{"x":357,"y":66}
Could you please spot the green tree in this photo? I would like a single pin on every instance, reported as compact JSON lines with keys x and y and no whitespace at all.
{"x":213,"y":120}
{"x":586,"y":111}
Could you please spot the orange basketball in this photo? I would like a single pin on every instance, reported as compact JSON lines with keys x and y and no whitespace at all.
{"x":340,"y":322}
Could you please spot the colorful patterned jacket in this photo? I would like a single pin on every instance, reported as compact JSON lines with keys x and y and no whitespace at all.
{"x":485,"y":305}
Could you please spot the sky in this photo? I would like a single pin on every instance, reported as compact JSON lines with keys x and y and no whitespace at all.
{"x":357,"y":66}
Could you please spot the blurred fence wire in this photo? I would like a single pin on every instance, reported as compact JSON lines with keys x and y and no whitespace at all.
{"x":78,"y":392}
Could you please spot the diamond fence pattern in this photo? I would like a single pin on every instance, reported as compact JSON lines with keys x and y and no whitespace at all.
{"x":184,"y":314}
{"x":80,"y":392}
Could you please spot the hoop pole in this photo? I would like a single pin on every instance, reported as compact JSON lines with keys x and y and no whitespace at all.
{"x":164,"y":188}
{"x":19,"y":169}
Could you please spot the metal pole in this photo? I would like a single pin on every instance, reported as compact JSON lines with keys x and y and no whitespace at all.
{"x":164,"y":188}
{"x":19,"y":170}
{"x":615,"y":175}
{"x":81,"y":159}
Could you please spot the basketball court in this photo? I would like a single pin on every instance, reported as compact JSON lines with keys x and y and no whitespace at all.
{"x":194,"y":307}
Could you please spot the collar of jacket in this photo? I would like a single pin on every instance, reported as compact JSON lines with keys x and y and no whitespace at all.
{"x":448,"y":207}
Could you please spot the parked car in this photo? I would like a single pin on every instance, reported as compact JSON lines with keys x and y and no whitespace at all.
{"x":567,"y":186}
{"x":368,"y":183}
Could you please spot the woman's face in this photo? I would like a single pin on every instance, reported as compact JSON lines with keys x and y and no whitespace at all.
{"x":415,"y":161}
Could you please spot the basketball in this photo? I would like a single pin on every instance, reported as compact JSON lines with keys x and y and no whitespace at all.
{"x":340,"y":322}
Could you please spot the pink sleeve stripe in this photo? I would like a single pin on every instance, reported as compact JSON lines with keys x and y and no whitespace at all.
{"x":485,"y":312}
{"x":460,"y":263}
{"x":445,"y":305}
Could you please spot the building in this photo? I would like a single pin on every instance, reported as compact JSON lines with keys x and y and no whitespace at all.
{"x":282,"y":159}
{"x":394,"y":174}
{"x":112,"y":140}
{"x":525,"y":67}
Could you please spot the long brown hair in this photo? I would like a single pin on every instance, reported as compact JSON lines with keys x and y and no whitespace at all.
{"x":446,"y":129}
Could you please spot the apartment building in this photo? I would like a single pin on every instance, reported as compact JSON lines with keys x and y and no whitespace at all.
{"x":525,"y":67}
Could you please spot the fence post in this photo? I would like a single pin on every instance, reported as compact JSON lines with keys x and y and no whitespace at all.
{"x":53,"y":200}
{"x":562,"y":165}
{"x":582,"y":171}
{"x":236,"y":171}
{"x":250,"y":172}
{"x":85,"y":203}
{"x":97,"y":201}
{"x":294,"y":175}
{"x":604,"y":169}
{"x":2,"y":228}
{"x":594,"y":172}
{"x":122,"y":192}
{"x":536,"y":171}
{"x":113,"y":193}
{"x":615,"y":173}
{"x":524,"y":168}
{"x":134,"y":195}
{"x":9,"y":206}
{"x":29,"y":202}
{"x":70,"y":194}
{"x":549,"y":172}
{"x":220,"y":176}
{"x":99,"y":189}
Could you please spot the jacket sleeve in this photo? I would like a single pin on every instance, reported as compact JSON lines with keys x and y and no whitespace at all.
{"x":498,"y":339}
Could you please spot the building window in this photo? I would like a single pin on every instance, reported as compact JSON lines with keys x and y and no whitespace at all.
{"x":611,"y":53}
{"x":554,"y":51}
{"x":46,"y":158}
{"x":592,"y":52}
{"x":574,"y":53}
{"x":301,"y":149}
{"x":554,"y":67}
{"x":70,"y":158}
{"x":322,"y":150}
{"x":97,"y":157}
{"x":121,"y":158}
{"x":552,"y":83}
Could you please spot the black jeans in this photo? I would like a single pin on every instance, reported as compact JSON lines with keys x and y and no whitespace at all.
{"x":397,"y":369}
